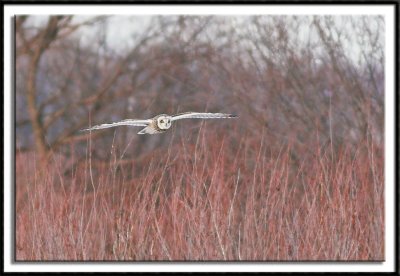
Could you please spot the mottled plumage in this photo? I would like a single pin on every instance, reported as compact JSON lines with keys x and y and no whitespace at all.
{"x":162,"y":122}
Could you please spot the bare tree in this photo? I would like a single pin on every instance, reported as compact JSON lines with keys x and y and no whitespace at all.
{"x":75,"y":84}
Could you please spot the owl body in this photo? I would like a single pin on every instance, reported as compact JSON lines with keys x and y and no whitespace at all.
{"x":158,"y":124}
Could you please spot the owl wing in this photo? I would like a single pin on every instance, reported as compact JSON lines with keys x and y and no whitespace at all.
{"x":201,"y":115}
{"x":127,"y":122}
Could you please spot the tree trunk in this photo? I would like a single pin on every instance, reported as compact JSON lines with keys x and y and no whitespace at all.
{"x":45,"y":38}
{"x":37,"y":126}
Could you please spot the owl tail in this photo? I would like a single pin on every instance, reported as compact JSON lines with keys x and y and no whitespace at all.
{"x":148,"y":130}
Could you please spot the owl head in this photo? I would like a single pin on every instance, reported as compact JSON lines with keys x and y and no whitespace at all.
{"x":164,"y":121}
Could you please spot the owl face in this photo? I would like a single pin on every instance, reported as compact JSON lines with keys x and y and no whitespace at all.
{"x":164,"y":122}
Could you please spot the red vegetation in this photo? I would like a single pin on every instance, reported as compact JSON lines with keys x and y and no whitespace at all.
{"x":217,"y":199}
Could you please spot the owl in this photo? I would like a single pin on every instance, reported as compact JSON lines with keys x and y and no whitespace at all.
{"x":161,"y":123}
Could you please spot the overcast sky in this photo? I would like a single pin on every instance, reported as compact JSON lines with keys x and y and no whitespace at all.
{"x":120,"y":30}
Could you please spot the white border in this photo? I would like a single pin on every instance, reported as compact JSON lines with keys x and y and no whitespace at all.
{"x":199,"y":9}
{"x":386,"y":11}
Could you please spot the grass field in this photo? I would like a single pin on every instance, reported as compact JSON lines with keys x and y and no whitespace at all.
{"x":215,"y":199}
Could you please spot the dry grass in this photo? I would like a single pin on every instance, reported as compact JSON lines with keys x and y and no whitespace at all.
{"x":216,"y":199}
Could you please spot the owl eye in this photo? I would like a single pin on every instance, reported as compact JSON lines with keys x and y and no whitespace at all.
{"x":161,"y":121}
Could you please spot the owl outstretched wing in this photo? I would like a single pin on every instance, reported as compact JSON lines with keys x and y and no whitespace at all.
{"x":127,"y":122}
{"x":201,"y":115}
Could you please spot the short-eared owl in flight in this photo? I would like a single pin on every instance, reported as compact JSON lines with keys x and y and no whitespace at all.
{"x":162,"y":123}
